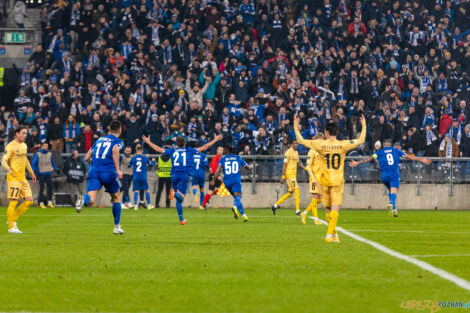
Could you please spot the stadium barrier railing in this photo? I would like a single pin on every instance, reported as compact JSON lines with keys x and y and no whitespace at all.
{"x":268,"y":169}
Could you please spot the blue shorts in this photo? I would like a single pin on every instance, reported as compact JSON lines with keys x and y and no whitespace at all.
{"x":108,"y":180}
{"x":140,"y":184}
{"x":180,"y":182}
{"x":234,"y":187}
{"x":391,"y":182}
{"x":198,"y":180}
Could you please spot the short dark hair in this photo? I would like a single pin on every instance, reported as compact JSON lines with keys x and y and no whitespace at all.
{"x":19,"y":128}
{"x":387,"y":142}
{"x":138,"y":148}
{"x":114,"y":126}
{"x":228,"y":149}
{"x":332,"y":128}
{"x":180,"y":142}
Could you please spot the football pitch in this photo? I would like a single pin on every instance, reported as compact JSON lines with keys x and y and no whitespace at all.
{"x":68,"y":262}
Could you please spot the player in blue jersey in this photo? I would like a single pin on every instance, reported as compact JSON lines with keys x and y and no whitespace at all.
{"x":198,"y":174}
{"x":104,"y":171}
{"x":230,"y":165}
{"x":389,"y":160}
{"x":139,"y":164}
{"x":182,"y":158}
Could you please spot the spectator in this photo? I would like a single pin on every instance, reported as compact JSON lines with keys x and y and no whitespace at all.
{"x":19,"y":13}
{"x":75,"y":171}
{"x":43,"y":165}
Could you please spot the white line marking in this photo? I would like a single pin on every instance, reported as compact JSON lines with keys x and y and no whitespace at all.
{"x":409,"y":231}
{"x":437,"y":255}
{"x":462,"y":283}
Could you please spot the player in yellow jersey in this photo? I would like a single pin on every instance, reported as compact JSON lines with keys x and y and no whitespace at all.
{"x":331,"y":172}
{"x":15,"y":161}
{"x":313,"y":166}
{"x":289,"y":174}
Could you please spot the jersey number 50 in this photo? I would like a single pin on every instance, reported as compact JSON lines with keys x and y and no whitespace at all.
{"x":230,"y":168}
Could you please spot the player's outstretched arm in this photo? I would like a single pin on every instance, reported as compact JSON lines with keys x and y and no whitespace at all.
{"x":415,"y":158}
{"x":353,"y":144}
{"x":300,"y":139}
{"x":152,"y":145}
{"x":210,"y":144}
{"x":116,"y":160}
{"x":365,"y":160}
{"x":216,"y":174}
{"x":88,"y":156}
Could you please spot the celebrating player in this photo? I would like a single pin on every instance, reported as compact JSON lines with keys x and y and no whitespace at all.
{"x":213,"y":184}
{"x":198,"y":175}
{"x":331,"y":178}
{"x":104,"y":171}
{"x":313,"y":168}
{"x":230,"y":164}
{"x":389,"y":160}
{"x":289,"y":173}
{"x":182,"y":158}
{"x":139,"y":164}
{"x":15,"y":162}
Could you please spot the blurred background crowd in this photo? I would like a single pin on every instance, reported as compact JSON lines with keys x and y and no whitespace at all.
{"x":197,"y":68}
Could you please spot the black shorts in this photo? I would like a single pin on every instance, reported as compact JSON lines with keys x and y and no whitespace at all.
{"x":217,"y":184}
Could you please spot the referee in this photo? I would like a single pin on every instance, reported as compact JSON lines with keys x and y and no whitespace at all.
{"x":213,"y":188}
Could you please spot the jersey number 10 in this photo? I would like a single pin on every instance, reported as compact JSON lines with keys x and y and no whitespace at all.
{"x":333,"y":161}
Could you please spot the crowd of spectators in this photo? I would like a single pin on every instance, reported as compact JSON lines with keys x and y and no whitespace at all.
{"x":197,"y":68}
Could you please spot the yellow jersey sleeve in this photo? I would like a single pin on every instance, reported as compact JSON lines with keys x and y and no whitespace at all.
{"x":7,"y":156}
{"x":292,"y":160}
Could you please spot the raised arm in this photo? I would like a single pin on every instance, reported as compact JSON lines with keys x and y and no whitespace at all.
{"x":365,"y":160}
{"x":307,"y":143}
{"x":152,"y":145}
{"x":353,"y":144}
{"x":210,"y":144}
{"x":415,"y":158}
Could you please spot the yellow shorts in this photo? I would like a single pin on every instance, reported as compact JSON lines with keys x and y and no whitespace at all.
{"x":18,"y":189}
{"x":292,"y":184}
{"x":314,"y":187}
{"x":332,"y":195}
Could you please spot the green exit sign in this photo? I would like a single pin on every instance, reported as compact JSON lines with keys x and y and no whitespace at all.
{"x":14,"y":38}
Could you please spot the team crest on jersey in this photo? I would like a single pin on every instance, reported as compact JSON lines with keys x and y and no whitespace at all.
{"x":353,"y":141}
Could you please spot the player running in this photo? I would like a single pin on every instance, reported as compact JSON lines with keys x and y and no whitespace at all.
{"x":289,"y":174}
{"x":214,"y":185}
{"x":313,"y":168}
{"x":230,"y":165}
{"x":389,"y":160}
{"x":140,"y":164}
{"x":182,"y":158}
{"x":15,"y":162}
{"x":104,"y":171}
{"x":198,"y":174}
{"x":331,"y":172}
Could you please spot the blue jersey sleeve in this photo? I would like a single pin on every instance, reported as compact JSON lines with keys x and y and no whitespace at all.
{"x":131,"y":162}
{"x":206,"y":163}
{"x":399,"y":153}
{"x":168,"y":151}
{"x":242,"y":162}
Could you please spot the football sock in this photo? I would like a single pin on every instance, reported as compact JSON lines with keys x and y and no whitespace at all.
{"x":284,"y":198}
{"x":238,"y":203}
{"x":201,"y":198}
{"x":22,"y":209}
{"x":332,"y":223}
{"x":327,"y":216}
{"x":86,"y":199}
{"x":179,"y":197}
{"x":117,"y":213}
{"x":11,"y":213}
{"x":179,"y":209}
{"x":393,"y":199}
{"x":297,"y":199}
{"x":314,"y":207}
{"x":136,"y":197}
{"x":147,"y":197}
{"x":206,"y":199}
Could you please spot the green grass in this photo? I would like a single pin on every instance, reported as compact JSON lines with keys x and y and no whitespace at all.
{"x":68,"y":262}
